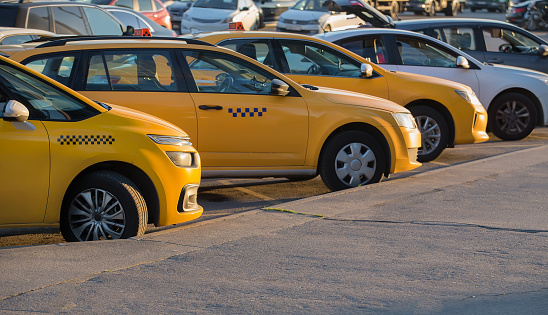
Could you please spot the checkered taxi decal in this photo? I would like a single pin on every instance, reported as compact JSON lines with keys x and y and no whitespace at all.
{"x":85,"y":139}
{"x":247,"y":112}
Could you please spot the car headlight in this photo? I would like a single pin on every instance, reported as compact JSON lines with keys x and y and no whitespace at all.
{"x":181,"y":159}
{"x":405,"y":120}
{"x":470,"y":97}
{"x":170,"y":140}
{"x":314,"y":22}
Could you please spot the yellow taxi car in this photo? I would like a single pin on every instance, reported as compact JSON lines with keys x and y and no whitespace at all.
{"x":446,"y":112}
{"x":245,"y":119}
{"x":98,"y":171}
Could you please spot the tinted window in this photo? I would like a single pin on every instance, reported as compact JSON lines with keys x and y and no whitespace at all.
{"x":415,"y":52}
{"x":509,"y":41}
{"x":59,"y":68}
{"x":131,"y":71}
{"x":39,"y":18}
{"x":43,"y":100}
{"x":69,"y":20}
{"x":102,"y":23}
{"x":8,"y":15}
{"x":217,"y":4}
{"x":126,"y":18}
{"x":124,"y":3}
{"x":258,"y":49}
{"x":16,"y":39}
{"x":312,"y":58}
{"x":222,"y":73}
{"x":371,"y":49}
{"x":459,"y":37}
{"x":145,"y":5}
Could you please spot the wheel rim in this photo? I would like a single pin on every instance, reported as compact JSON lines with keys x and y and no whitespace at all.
{"x":512,"y":117}
{"x":355,"y":164}
{"x":430,"y":134}
{"x":96,"y":214}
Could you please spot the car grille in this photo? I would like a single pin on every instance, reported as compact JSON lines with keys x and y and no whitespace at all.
{"x":296,"y":22}
{"x":206,"y":20}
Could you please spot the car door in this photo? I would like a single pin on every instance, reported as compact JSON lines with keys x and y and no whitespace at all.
{"x":25,"y":160}
{"x":508,"y":46}
{"x":422,"y":56}
{"x":309,"y":62}
{"x":240,"y":124}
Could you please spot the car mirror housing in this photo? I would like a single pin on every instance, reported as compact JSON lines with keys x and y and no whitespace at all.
{"x":543,"y":50}
{"x":366,"y":70}
{"x":462,"y":62}
{"x":129,"y":31}
{"x":15,"y":111}
{"x":279,"y":87}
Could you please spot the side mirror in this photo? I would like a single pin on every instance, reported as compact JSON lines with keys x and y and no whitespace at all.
{"x":129,"y":31}
{"x":366,"y":70}
{"x":543,"y":50}
{"x":462,"y":62}
{"x":279,"y":87}
{"x":15,"y":111}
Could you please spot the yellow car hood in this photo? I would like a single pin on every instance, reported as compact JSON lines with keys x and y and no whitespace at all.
{"x":144,"y":118}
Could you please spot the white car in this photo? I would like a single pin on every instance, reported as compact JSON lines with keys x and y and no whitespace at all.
{"x":516,"y":99}
{"x":311,"y":17}
{"x":17,"y":35}
{"x":215,"y":15}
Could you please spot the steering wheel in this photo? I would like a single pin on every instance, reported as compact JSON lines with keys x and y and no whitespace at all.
{"x":224,"y":82}
{"x":314,"y":69}
{"x":506,"y":48}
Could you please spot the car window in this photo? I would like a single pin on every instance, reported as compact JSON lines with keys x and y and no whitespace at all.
{"x":221,"y":73}
{"x":312,"y":58}
{"x":145,"y":5}
{"x":416,"y":52}
{"x":38,"y":18}
{"x":43,"y":100}
{"x":127,"y":18}
{"x":459,"y":37}
{"x":69,"y":20}
{"x":16,"y":39}
{"x":508,"y":41}
{"x":146,"y":71}
{"x":371,"y":48}
{"x":102,"y":23}
{"x":59,"y":68}
{"x":310,"y":5}
{"x":217,"y":4}
{"x":258,"y":49}
{"x":124,"y":3}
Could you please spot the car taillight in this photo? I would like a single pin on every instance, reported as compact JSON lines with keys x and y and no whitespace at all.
{"x":518,"y":10}
{"x":356,"y":3}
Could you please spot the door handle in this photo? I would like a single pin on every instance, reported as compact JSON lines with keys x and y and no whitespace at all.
{"x":495,"y":60}
{"x":206,"y":107}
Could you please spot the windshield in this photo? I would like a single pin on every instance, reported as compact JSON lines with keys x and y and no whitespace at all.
{"x":310,"y":5}
{"x":217,"y":4}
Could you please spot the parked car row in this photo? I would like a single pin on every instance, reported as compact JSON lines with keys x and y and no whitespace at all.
{"x":352,"y":106}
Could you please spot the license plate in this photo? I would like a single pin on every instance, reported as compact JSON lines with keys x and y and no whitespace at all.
{"x":293,"y":27}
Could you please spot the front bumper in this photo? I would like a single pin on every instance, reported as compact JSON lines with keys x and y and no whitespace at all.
{"x":406,"y":144}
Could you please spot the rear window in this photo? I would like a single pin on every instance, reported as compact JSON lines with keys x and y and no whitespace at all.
{"x":8,"y":15}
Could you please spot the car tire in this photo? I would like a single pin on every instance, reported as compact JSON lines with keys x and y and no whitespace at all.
{"x":434,"y":132}
{"x":432,"y":9}
{"x":350,"y":159}
{"x":124,"y":212}
{"x":512,"y":116}
{"x":451,"y":10}
{"x":394,"y":10}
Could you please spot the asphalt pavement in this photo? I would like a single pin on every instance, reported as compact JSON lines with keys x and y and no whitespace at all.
{"x":465,"y":239}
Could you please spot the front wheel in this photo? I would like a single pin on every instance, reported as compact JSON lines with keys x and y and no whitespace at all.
{"x":434,"y":132}
{"x":351,"y":159}
{"x":512,"y":116}
{"x":103,"y":205}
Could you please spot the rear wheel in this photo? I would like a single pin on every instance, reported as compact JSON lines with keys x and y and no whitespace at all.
{"x":103,"y":205}
{"x":351,"y":159}
{"x":512,"y":116}
{"x":452,"y":10}
{"x":432,"y":9}
{"x":434,"y":132}
{"x":394,"y":9}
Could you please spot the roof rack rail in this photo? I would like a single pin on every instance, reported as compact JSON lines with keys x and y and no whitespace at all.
{"x":56,"y":41}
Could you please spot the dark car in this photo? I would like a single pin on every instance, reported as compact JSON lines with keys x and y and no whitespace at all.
{"x":138,"y":20}
{"x":489,"y":5}
{"x":64,"y":18}
{"x":516,"y":11}
{"x":176,"y":8}
{"x":487,"y":40}
{"x":273,"y":8}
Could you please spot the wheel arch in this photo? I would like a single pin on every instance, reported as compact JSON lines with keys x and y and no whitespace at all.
{"x":136,"y":175}
{"x":442,"y":110}
{"x":367,"y":128}
{"x":530,"y":95}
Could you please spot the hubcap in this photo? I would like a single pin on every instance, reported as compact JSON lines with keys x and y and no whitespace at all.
{"x":430,"y":134}
{"x":355,"y":164}
{"x":512,"y":117}
{"x":96,"y":214}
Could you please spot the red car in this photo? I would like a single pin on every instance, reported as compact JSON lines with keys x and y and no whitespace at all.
{"x":154,"y":9}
